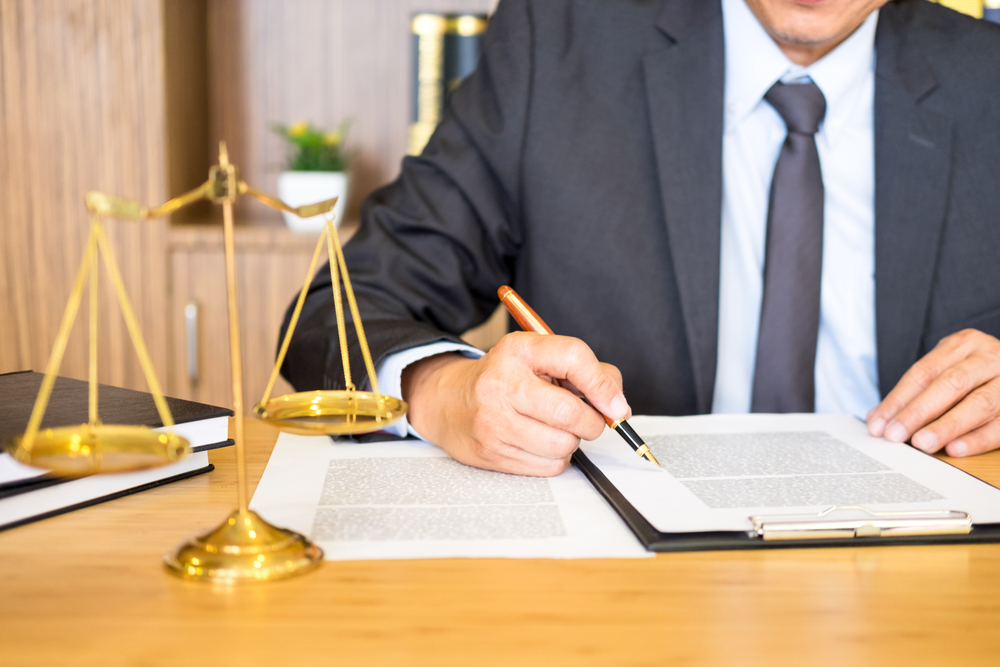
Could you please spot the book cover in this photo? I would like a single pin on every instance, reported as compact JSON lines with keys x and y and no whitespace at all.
{"x":69,"y":405}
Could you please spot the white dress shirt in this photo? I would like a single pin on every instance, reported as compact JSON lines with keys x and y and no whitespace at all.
{"x":846,"y":375}
{"x":846,"y":372}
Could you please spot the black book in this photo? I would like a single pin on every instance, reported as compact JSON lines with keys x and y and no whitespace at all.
{"x":28,"y":494}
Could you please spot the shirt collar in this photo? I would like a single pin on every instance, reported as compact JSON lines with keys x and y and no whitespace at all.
{"x":754,"y":63}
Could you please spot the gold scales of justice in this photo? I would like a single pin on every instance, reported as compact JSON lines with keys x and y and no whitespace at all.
{"x":244,"y":547}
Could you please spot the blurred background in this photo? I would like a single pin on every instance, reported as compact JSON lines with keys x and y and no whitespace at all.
{"x":131,"y":97}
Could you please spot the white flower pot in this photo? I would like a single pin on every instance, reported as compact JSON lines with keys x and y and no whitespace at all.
{"x":296,"y":188}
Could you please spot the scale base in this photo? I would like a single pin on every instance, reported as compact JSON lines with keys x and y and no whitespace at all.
{"x":245,"y":548}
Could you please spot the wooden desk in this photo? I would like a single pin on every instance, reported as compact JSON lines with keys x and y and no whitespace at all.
{"x":89,"y":588}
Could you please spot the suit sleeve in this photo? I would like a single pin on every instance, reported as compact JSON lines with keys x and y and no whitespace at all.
{"x":434,"y":245}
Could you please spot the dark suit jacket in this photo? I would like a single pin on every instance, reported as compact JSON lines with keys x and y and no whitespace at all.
{"x":582,"y":164}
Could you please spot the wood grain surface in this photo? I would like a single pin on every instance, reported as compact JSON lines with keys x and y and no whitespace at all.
{"x":271,"y":263}
{"x":81,"y":107}
{"x":88,"y":588}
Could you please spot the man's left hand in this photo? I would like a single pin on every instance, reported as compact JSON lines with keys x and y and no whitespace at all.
{"x":949,"y":399}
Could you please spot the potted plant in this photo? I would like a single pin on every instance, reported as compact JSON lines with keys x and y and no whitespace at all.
{"x":316,"y":171}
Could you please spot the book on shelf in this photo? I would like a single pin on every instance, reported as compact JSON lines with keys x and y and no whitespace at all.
{"x":991,"y":10}
{"x":445,"y":50}
{"x":979,"y":9}
{"x":462,"y":44}
{"x":29,"y":494}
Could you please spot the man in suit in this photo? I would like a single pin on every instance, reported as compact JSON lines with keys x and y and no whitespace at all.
{"x":624,"y":165}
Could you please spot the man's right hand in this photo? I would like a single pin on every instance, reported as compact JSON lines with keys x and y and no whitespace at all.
{"x":502,"y":412}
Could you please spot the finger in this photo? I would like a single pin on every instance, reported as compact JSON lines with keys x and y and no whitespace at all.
{"x":566,"y":384}
{"x":951,"y":386}
{"x":566,"y":358}
{"x":978,"y":408}
{"x":557,"y":408}
{"x":504,"y":456}
{"x":984,"y":439}
{"x":608,"y":368}
{"x":948,"y":352}
{"x":542,"y":440}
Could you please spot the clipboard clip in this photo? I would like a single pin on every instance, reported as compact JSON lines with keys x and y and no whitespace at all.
{"x":849,"y":521}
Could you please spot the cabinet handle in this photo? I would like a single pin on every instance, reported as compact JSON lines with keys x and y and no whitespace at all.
{"x":191,"y":330}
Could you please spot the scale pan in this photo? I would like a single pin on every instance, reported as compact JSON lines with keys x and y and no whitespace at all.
{"x":78,"y":451}
{"x":331,"y":412}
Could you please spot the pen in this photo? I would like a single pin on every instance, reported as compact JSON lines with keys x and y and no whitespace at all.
{"x":530,"y":321}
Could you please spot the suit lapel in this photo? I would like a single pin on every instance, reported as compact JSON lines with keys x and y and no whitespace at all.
{"x":912,"y":166}
{"x":684,"y":89}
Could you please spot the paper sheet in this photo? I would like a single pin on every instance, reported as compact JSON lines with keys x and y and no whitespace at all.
{"x":721,"y":469}
{"x":408,"y":499}
{"x":12,"y":470}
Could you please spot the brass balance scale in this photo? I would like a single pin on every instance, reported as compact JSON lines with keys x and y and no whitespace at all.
{"x":244,"y":547}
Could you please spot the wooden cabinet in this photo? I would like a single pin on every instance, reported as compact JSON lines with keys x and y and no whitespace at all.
{"x":271,"y":264}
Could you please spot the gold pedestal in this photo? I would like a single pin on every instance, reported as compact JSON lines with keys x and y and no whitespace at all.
{"x":244,"y":548}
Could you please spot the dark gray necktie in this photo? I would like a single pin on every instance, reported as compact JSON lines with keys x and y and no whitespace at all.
{"x":784,"y":375}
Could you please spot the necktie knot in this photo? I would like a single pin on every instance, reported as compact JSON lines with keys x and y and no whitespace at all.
{"x":801,"y":105}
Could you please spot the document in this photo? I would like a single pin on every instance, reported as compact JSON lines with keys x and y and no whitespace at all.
{"x":721,"y":469}
{"x":408,"y":499}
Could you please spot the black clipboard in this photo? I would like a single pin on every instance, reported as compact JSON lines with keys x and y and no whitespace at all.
{"x":656,"y":541}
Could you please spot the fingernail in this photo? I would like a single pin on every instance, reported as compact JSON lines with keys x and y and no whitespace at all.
{"x":958,"y":448}
{"x":876,"y":427}
{"x":895,"y":432}
{"x":926,"y":440}
{"x":619,"y":407}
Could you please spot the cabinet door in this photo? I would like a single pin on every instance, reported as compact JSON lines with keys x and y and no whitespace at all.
{"x":268,"y":280}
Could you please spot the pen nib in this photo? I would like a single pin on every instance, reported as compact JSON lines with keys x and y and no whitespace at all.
{"x":648,"y":455}
{"x":651,"y":458}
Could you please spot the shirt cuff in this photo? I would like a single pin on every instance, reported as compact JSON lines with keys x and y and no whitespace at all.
{"x":390,"y":374}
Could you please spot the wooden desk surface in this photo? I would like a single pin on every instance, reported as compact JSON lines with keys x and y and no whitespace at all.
{"x":88,"y":588}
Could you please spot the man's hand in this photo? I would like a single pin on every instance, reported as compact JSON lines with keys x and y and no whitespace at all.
{"x":502,"y":412}
{"x":948,"y":399}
